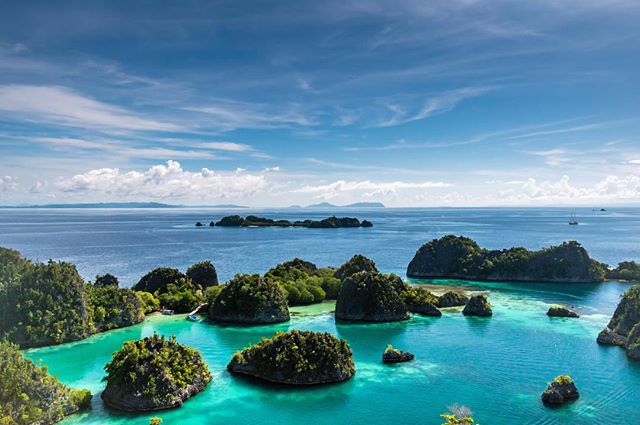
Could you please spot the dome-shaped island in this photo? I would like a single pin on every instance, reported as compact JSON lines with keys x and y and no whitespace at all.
{"x":296,"y":358}
{"x":249,"y":299}
{"x":153,"y":373}
{"x":370,"y":297}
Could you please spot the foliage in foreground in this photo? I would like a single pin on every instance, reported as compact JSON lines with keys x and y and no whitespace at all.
{"x":29,"y":395}
{"x":458,"y":415}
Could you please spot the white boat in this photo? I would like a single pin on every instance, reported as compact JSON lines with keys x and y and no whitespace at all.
{"x":192,"y":317}
{"x":573,"y":221}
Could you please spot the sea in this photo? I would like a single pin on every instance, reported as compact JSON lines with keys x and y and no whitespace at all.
{"x":498,"y":366}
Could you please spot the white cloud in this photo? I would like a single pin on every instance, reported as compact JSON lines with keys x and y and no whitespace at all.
{"x":63,"y":106}
{"x":611,"y":188}
{"x":552,"y":156}
{"x":165,"y":181}
{"x":8,"y":184}
{"x":366,"y":187}
{"x":634,"y":161}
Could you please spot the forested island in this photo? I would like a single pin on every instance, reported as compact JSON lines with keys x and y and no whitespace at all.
{"x":624,"y":328}
{"x":332,"y":222}
{"x":458,"y":257}
{"x":296,"y":358}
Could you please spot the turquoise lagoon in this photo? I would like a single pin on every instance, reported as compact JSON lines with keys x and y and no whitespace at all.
{"x":497,"y":366}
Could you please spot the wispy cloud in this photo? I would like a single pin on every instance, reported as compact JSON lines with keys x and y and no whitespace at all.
{"x":62,"y":106}
{"x":367,"y":187}
{"x":440,"y":103}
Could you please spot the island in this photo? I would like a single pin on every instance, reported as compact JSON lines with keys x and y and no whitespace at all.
{"x":368,"y":296}
{"x":393,"y":355}
{"x":153,"y":373}
{"x":357,"y":263}
{"x":452,"y":299}
{"x":296,"y":358}
{"x":29,"y":395}
{"x":626,"y":270}
{"x":458,"y":257}
{"x":561,"y":390}
{"x":561,"y":311}
{"x":420,"y":301}
{"x":624,"y":327}
{"x":332,"y":222}
{"x":478,"y":305}
{"x":250,"y":299}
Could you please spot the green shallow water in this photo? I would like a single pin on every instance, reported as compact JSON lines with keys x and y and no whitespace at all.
{"x":497,"y":366}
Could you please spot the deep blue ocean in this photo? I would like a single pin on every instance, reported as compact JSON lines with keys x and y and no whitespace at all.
{"x":497,"y":366}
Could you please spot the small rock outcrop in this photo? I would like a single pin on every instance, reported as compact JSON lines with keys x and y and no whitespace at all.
{"x":296,"y":358}
{"x":370,"y":297}
{"x":478,"y":305}
{"x":357,"y":263}
{"x":393,"y":355}
{"x":624,"y":327}
{"x":459,"y":257}
{"x":561,"y":390}
{"x":452,"y":299}
{"x":561,"y":311}
{"x":153,"y":373}
{"x":249,"y":299}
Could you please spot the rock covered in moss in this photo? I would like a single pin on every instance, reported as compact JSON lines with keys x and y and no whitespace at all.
{"x":249,"y":299}
{"x":624,"y":327}
{"x":393,"y":355}
{"x":370,"y":297}
{"x":561,"y":311}
{"x":203,"y":274}
{"x":561,"y":390}
{"x":296,"y":358}
{"x":452,"y":299}
{"x":357,"y":263}
{"x":153,"y":373}
{"x":478,"y":305}
{"x":461,"y":258}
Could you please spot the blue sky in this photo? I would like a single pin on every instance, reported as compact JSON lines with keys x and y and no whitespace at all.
{"x":411,"y":103}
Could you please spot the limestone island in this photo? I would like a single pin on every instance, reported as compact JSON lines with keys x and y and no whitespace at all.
{"x":458,"y":257}
{"x":561,"y":311}
{"x":332,"y":222}
{"x":478,"y":305}
{"x":561,"y":390}
{"x":250,"y":299}
{"x":626,"y":270}
{"x":296,"y":358}
{"x":370,"y":297}
{"x":624,"y":328}
{"x":393,"y":355}
{"x":153,"y":374}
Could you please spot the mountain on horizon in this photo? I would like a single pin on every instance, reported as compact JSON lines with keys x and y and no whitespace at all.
{"x":354,"y":205}
{"x":123,"y":205}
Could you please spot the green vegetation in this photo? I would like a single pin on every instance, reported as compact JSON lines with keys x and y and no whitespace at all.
{"x":296,"y":358}
{"x":29,"y":395}
{"x":332,"y":222}
{"x":250,"y":299}
{"x":357,"y":263}
{"x":45,"y":304}
{"x":371,"y":297}
{"x":148,"y":301}
{"x":303,"y":283}
{"x":478,"y":305}
{"x":106,"y":280}
{"x":158,"y":279}
{"x":203,"y":274}
{"x":452,"y":299}
{"x":458,"y":415}
{"x":626,"y":270}
{"x":111,"y":307}
{"x":462,"y":258}
{"x":181,"y":296}
{"x":153,"y":373}
{"x":420,"y":300}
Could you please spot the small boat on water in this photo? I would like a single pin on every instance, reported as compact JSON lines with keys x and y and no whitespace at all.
{"x":166,"y":312}
{"x":192,"y":317}
{"x":573,"y":221}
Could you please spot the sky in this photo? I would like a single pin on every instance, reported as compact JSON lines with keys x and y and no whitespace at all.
{"x":410,"y":103}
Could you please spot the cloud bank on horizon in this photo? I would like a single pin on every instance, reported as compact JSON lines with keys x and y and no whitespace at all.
{"x":465,"y":102}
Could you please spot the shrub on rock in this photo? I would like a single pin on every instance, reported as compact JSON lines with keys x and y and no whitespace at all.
{"x":478,"y":305}
{"x":452,"y":299}
{"x":357,"y":263}
{"x":561,"y":390}
{"x":370,"y":297}
{"x":203,"y":274}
